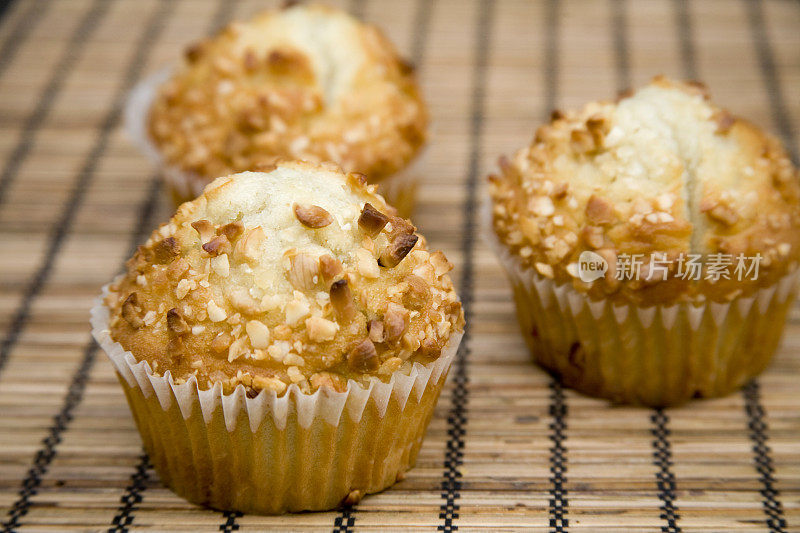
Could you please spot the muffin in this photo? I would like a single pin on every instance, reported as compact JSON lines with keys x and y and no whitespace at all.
{"x":652,"y":245}
{"x":282,"y":341}
{"x":303,"y":82}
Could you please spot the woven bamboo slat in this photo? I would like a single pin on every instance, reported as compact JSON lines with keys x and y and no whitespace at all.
{"x":508,"y":449}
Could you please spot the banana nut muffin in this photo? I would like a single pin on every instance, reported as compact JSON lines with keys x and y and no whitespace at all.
{"x":654,"y":185}
{"x":298,"y":275}
{"x":303,"y":82}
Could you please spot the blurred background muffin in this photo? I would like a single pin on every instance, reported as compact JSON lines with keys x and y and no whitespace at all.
{"x":316,"y":319}
{"x":303,"y":82}
{"x":652,"y":243}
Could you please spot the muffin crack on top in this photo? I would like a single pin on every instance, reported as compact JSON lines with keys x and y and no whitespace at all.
{"x":662,"y":173}
{"x":297,"y":275}
{"x":303,"y":82}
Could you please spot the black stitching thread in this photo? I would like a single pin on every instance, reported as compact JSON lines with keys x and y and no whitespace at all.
{"x":134,"y":492}
{"x":457,"y":418}
{"x":5,"y":6}
{"x":45,"y":455}
{"x":345,"y":521}
{"x":132,"y":497}
{"x":558,"y":503}
{"x":230,"y":521}
{"x":357,"y":8}
{"x":619,"y":24}
{"x":33,"y":14}
{"x":766,"y":60}
{"x":60,"y":229}
{"x":756,"y":412}
{"x":762,"y":457}
{"x":558,"y":459}
{"x":34,"y":121}
{"x":683,"y":22}
{"x":662,"y":454}
{"x":665,"y":479}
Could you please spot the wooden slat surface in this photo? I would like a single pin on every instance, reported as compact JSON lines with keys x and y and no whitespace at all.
{"x":508,"y":449}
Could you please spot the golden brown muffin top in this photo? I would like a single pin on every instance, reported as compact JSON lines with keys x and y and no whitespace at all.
{"x":663,"y":177}
{"x":299,"y":275}
{"x":304,"y":82}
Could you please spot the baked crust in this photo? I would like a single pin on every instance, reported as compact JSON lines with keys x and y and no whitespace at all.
{"x":660,"y":171}
{"x":269,"y":279}
{"x":303,"y":82}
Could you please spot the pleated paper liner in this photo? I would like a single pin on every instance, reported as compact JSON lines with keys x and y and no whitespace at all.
{"x":273,"y":454}
{"x":399,"y":189}
{"x":656,"y":355}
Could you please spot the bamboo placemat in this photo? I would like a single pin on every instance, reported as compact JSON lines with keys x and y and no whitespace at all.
{"x":508,"y":448}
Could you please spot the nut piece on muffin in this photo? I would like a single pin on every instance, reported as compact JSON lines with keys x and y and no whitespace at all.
{"x":303,"y":82}
{"x":654,"y":185}
{"x":299,"y":275}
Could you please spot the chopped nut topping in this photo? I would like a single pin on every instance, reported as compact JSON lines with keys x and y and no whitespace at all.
{"x":599,"y":211}
{"x":320,"y":329}
{"x":183,"y":288}
{"x":258,"y":333}
{"x":390,"y":365}
{"x":312,"y":216}
{"x":304,"y":271}
{"x":375,"y":329}
{"x":720,"y":212}
{"x":218,"y":245}
{"x":665,"y":201}
{"x":215,"y":312}
{"x":166,"y":250}
{"x":542,"y":206}
{"x":220,"y":265}
{"x":250,"y":244}
{"x":205,"y":229}
{"x":295,"y":310}
{"x":397,"y":250}
{"x":329,"y":267}
{"x":593,"y":236}
{"x":559,"y":190}
{"x":724,"y":120}
{"x":250,"y":59}
{"x":394,"y":322}
{"x":357,"y":177}
{"x":221,"y":342}
{"x":236,"y":350}
{"x":366,"y":264}
{"x":176,"y":269}
{"x":130,"y":311}
{"x":400,"y":226}
{"x":363,"y":357}
{"x":194,"y":52}
{"x":326,"y":379}
{"x":231,"y":230}
{"x":371,"y":220}
{"x":240,"y":299}
{"x":353,"y":498}
{"x":175,"y":322}
{"x":418,"y":292}
{"x":544,"y":269}
{"x":267,"y":383}
{"x":441,"y":265}
{"x":342,"y":300}
{"x":582,"y":141}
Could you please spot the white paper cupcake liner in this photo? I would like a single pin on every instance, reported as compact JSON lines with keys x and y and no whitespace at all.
{"x":399,"y":189}
{"x":271,"y":454}
{"x":657,"y":355}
